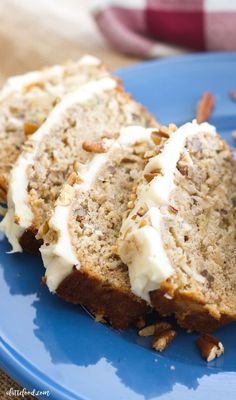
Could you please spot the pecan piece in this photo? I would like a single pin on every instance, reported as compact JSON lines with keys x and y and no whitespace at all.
{"x":94,"y":147}
{"x":73,"y":178}
{"x":100,"y":318}
{"x":161,"y":133}
{"x":183,"y":169}
{"x":142,"y":210}
{"x":17,"y":219}
{"x":149,"y":153}
{"x":210,"y":347}
{"x":56,"y":100}
{"x":143,"y":223}
{"x":32,"y":85}
{"x":156,"y":138}
{"x":155,"y":329}
{"x":147,"y":330}
{"x":162,"y":326}
{"x":172,"y":209}
{"x":131,"y":204}
{"x":128,"y":160}
{"x":163,"y":340}
{"x":164,"y":132}
{"x":234,"y":135}
{"x":205,"y":107}
{"x":233,"y":95}
{"x":110,"y":135}
{"x":150,"y":175}
{"x":30,"y":128}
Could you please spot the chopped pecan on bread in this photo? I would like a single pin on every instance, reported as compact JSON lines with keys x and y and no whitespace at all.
{"x":94,"y":147}
{"x":30,"y":128}
{"x":151,"y":175}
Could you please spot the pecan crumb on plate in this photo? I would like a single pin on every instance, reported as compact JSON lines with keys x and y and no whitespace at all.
{"x":163,"y":340}
{"x":210,"y":347}
{"x":234,"y":135}
{"x":232,"y":95}
{"x":205,"y":107}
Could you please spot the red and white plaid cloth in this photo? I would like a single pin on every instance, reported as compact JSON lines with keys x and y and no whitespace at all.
{"x":152,"y":27}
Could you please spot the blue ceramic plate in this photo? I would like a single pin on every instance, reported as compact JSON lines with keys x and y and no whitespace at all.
{"x":46,"y":344}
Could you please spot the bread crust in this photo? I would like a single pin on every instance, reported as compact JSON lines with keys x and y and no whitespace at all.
{"x":121,"y":308}
{"x":191,"y":311}
{"x":3,"y":188}
{"x":29,"y":243}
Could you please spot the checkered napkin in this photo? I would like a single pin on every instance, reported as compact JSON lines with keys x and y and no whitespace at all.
{"x":154,"y":28}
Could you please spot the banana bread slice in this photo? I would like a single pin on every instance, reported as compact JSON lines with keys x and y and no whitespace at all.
{"x":79,"y":250}
{"x":48,"y":156}
{"x":181,"y":250}
{"x":26,"y":101}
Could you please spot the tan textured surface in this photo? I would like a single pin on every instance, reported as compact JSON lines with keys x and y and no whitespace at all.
{"x":33,"y":35}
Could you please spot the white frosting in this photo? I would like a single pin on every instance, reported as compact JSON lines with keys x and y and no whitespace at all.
{"x":89,"y":60}
{"x":59,"y":258}
{"x":88,"y":172}
{"x":12,"y":230}
{"x":142,"y":248}
{"x":18,"y":195}
{"x":144,"y":257}
{"x":18,"y":82}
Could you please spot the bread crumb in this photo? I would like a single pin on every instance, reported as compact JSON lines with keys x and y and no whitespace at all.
{"x":99,"y":318}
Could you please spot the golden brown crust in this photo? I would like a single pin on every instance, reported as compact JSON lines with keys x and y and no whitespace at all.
{"x":190,"y":312}
{"x":3,"y":188}
{"x":29,"y":243}
{"x":119,"y":307}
